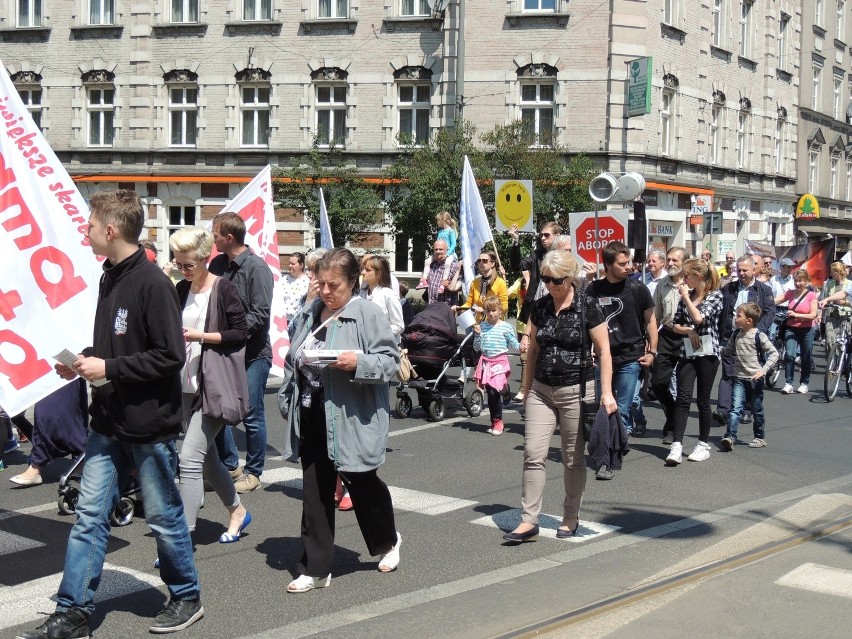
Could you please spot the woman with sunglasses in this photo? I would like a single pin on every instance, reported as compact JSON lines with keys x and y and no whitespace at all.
{"x":191,"y":247}
{"x":553,"y":399}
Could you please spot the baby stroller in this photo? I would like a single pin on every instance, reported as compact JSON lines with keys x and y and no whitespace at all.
{"x":433,"y":347}
{"x":69,"y":492}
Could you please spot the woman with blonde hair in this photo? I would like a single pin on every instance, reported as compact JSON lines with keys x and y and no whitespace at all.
{"x":697,"y":318}
{"x":833,"y":317}
{"x":213,"y":320}
{"x":562,"y":360}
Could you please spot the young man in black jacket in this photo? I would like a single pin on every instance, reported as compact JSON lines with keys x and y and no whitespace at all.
{"x":137,"y":356}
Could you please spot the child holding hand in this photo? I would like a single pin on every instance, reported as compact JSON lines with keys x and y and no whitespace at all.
{"x":493,"y":338}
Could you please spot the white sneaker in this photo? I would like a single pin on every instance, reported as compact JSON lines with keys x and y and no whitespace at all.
{"x":675,"y":454}
{"x":390,"y":560}
{"x":788,"y":388}
{"x":303,"y":583}
{"x":700,"y":452}
{"x":802,"y":389}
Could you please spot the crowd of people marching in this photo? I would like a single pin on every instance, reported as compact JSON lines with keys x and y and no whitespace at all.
{"x":183,"y":363}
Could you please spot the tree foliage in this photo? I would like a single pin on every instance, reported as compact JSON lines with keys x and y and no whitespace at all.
{"x":354,"y":207}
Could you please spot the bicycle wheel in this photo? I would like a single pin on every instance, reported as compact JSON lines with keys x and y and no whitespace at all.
{"x":833,"y":369}
{"x":847,"y":374}
{"x":775,"y":372}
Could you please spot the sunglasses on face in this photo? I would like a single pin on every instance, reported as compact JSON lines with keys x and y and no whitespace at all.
{"x":556,"y":281}
{"x":189,"y":266}
{"x":545,"y":235}
{"x":480,"y":261}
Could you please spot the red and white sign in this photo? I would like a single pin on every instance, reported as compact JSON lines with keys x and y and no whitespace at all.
{"x":587,"y":243}
{"x":254,"y":205}
{"x":49,"y":286}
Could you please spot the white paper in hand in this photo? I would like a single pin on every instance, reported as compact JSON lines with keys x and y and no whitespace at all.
{"x":68,"y":358}
{"x":705,"y":348}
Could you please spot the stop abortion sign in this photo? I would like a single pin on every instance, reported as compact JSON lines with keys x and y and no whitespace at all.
{"x":587,"y":243}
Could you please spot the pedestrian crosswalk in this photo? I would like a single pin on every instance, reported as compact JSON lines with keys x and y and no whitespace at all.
{"x":820,"y":579}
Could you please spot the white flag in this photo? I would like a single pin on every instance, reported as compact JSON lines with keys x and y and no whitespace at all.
{"x":475,"y":229}
{"x":326,"y":240}
{"x":254,"y":205}
{"x":49,"y":285}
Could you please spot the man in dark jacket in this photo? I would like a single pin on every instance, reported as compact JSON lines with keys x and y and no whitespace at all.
{"x":529,"y":265}
{"x":744,"y":288}
{"x":253,"y":279}
{"x":134,"y":366}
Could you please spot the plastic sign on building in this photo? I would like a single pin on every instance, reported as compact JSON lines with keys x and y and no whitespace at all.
{"x":807,"y":208}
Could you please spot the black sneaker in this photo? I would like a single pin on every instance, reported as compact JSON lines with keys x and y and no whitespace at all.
{"x":719,"y":418}
{"x":639,"y":430}
{"x":727,"y":443}
{"x":70,"y":624}
{"x":177,"y":615}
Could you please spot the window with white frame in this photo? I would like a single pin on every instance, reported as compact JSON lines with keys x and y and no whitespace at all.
{"x":331,"y":114}
{"x":783,"y":40}
{"x":832,"y":185}
{"x":254,"y":115}
{"x":840,"y":30}
{"x":101,"y":11}
{"x":100,"y":104}
{"x":719,"y":18}
{"x":671,"y":9}
{"x":745,"y":30}
{"x":667,"y":122}
{"x":715,"y":133}
{"x":180,"y":217}
{"x":743,"y":122}
{"x":838,"y":97}
{"x":184,"y":11}
{"x":817,"y":87}
{"x":779,"y":146}
{"x":183,"y":115}
{"x":537,"y":109}
{"x":540,"y":5}
{"x":254,"y":10}
{"x":414,"y":8}
{"x":819,"y":12}
{"x":414,"y":107}
{"x":813,"y":169}
{"x":29,"y":13}
{"x":848,"y":179}
{"x":28,"y":85}
{"x":333,"y":8}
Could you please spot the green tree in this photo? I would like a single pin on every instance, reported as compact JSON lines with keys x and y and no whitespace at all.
{"x":354,"y":207}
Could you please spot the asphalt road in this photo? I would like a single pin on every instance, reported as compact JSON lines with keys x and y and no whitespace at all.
{"x":454,"y":486}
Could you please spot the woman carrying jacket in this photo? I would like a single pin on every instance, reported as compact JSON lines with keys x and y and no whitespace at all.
{"x":337,"y":413}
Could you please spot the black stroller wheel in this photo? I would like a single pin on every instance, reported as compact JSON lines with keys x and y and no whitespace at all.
{"x":123,"y":513}
{"x":67,"y":501}
{"x":403,"y":406}
{"x":437,"y":410}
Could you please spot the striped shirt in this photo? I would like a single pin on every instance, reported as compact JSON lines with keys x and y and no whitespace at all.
{"x":495,"y":339}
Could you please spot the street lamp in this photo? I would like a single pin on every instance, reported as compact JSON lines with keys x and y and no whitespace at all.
{"x":607,"y":188}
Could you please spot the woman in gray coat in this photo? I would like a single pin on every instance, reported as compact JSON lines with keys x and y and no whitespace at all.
{"x":336,"y":401}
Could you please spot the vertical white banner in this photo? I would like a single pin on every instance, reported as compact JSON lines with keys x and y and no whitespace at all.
{"x":49,"y":285}
{"x":326,"y":241}
{"x":475,"y":229}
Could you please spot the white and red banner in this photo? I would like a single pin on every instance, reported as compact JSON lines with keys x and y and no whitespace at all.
{"x":589,"y":237}
{"x":49,"y":284}
{"x":254,"y":205}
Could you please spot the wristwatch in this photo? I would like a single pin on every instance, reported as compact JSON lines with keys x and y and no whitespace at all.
{"x":654,"y":353}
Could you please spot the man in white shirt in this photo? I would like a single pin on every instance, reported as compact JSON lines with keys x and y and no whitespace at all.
{"x":655,"y":269}
{"x":781,"y":283}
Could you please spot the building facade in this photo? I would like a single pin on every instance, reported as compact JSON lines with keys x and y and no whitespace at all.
{"x":186,"y":100}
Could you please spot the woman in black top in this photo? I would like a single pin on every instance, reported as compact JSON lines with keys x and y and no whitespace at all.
{"x":553,"y":398}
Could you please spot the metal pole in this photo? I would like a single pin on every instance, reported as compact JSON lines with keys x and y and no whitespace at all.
{"x":596,"y":242}
{"x":460,"y":64}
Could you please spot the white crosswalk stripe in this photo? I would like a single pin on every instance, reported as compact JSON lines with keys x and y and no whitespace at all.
{"x":820,"y":579}
{"x":29,"y":601}
{"x":508,"y":520}
{"x":11,"y":543}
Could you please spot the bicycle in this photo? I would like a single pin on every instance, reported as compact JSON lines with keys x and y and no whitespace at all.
{"x":780,"y":344}
{"x":838,"y":364}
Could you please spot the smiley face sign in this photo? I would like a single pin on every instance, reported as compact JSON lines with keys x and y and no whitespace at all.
{"x":513,"y":204}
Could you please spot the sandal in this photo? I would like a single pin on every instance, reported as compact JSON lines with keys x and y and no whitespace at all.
{"x":229,"y":539}
{"x":390,"y":560}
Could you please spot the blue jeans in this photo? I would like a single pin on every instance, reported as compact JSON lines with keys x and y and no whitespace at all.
{"x":257,"y":372}
{"x":803,"y":338}
{"x":636,"y":411}
{"x":746,"y":392}
{"x":107,"y":469}
{"x":625,"y":380}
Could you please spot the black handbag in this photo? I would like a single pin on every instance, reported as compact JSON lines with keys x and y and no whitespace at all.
{"x":588,"y":408}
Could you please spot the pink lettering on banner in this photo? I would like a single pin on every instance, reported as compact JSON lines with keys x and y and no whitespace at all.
{"x":279,"y":351}
{"x":10,"y":199}
{"x":253,"y":212}
{"x":30,"y":369}
{"x":8,"y":303}
{"x":68,"y":285}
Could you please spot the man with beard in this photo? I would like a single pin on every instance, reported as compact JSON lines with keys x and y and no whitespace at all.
{"x":666,"y":298}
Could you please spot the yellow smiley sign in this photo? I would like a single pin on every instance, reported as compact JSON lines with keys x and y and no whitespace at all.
{"x":513,"y":204}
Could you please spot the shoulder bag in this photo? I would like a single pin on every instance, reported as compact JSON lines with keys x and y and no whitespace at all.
{"x":224,"y":385}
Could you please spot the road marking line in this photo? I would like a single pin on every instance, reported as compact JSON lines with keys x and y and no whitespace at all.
{"x":30,"y":510}
{"x":436,"y":592}
{"x":508,"y":519}
{"x":27,"y":602}
{"x":824,"y":580}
